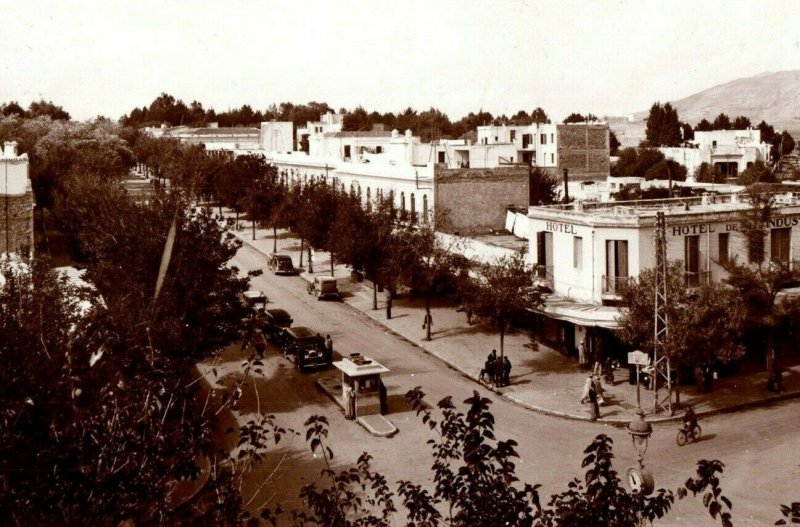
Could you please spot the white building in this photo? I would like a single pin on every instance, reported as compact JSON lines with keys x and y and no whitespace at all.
{"x":16,"y":201}
{"x":213,"y":138}
{"x":583,"y":252}
{"x":732,"y":151}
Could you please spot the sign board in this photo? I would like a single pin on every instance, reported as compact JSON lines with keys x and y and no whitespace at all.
{"x":638,"y":357}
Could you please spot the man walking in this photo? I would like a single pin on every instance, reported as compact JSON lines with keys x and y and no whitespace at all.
{"x":506,"y":371}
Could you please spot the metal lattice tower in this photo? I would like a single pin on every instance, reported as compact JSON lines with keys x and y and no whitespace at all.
{"x":661,"y":369}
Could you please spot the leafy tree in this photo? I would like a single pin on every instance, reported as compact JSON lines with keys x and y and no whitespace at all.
{"x":635,"y":162}
{"x":613,"y":143}
{"x":663,"y":126}
{"x":741,"y":123}
{"x":578,"y":118}
{"x":539,"y":116}
{"x":708,"y":173}
{"x":704,"y":126}
{"x":260,"y":199}
{"x":758,"y":172}
{"x":544,"y":187}
{"x":12,"y":109}
{"x":722,"y":122}
{"x":709,"y":317}
{"x":502,"y":291}
{"x":47,"y":108}
{"x":666,"y":169}
{"x":782,"y":144}
{"x":428,"y":265}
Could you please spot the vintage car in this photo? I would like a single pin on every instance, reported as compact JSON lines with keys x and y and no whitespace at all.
{"x":275,"y":322}
{"x":254,"y":300}
{"x":325,"y":288}
{"x":306,"y":348}
{"x":281,"y":264}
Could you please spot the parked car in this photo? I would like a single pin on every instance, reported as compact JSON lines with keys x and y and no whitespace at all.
{"x":254,"y":300}
{"x":306,"y":348}
{"x":325,"y":288}
{"x":281,"y":264}
{"x":276,"y":321}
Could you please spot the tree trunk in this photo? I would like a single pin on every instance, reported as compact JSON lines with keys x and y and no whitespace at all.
{"x":237,"y":219}
{"x":502,"y":339}
{"x":374,"y":295}
{"x":301,"y":253}
{"x":310,"y":263}
{"x":390,"y":296}
{"x":274,"y":239}
{"x":332,"y":259}
{"x":254,"y":229}
{"x":677,"y":383}
{"x":428,"y":317}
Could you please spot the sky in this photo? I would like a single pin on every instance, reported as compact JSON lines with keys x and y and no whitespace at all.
{"x":604,"y":57}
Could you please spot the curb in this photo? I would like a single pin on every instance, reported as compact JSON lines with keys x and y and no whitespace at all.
{"x":545,"y":411}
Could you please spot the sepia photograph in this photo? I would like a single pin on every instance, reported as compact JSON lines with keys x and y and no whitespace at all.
{"x":267,"y":263}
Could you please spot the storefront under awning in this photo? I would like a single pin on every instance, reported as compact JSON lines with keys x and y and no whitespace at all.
{"x":581,"y":313}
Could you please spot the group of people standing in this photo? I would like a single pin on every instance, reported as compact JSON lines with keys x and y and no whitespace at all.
{"x":496,"y":370}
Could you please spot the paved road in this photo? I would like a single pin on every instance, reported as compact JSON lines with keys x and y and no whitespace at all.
{"x":760,"y":447}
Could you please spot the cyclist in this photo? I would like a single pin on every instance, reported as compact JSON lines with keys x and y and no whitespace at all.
{"x":689,"y":420}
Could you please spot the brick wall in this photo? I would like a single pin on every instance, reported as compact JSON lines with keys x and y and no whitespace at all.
{"x":20,"y":223}
{"x":584,"y":150}
{"x":477,"y":199}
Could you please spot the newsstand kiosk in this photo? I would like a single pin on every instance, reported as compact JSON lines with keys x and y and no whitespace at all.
{"x":362,"y":389}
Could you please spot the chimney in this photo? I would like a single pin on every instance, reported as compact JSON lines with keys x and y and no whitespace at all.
{"x":566,"y":187}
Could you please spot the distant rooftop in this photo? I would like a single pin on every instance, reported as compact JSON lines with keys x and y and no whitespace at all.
{"x":363,"y":133}
{"x":224,"y":131}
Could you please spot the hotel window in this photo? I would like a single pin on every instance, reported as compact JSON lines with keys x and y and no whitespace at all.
{"x":724,"y":240}
{"x":551,"y":139}
{"x":544,"y":252}
{"x":577,"y":252}
{"x":552,"y":158}
{"x":692,"y":260}
{"x":617,"y":259}
{"x":543,"y":139}
{"x":779,"y":242}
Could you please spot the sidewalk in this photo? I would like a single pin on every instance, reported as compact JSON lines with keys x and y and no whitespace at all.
{"x":542,"y":379}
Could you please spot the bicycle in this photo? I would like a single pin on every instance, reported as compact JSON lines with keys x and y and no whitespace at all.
{"x":685,"y":435}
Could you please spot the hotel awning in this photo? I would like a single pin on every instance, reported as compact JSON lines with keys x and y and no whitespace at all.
{"x":581,"y":313}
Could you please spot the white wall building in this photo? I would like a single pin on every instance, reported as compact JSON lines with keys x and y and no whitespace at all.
{"x":732,"y":151}
{"x":583,"y":252}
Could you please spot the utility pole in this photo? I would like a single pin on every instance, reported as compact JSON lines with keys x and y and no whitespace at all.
{"x":661,"y":367}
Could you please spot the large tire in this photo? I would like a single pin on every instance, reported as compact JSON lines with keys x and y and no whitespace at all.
{"x":681,"y":438}
{"x":696,"y":431}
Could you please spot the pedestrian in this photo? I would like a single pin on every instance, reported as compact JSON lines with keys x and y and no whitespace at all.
{"x":587,"y":385}
{"x":329,"y":346}
{"x":469,"y":316}
{"x":427,"y":321}
{"x":350,"y":402}
{"x":598,"y":387}
{"x":506,"y":371}
{"x":595,"y":409}
{"x":492,"y":356}
{"x":582,"y":353}
{"x":488,"y":369}
{"x":498,"y":372}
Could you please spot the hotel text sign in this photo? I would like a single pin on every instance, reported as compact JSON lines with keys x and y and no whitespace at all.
{"x":703,"y":228}
{"x":554,"y":226}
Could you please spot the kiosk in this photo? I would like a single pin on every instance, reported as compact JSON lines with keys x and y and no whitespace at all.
{"x":362,"y":390}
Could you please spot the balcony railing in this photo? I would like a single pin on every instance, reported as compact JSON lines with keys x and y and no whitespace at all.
{"x":696,"y":279}
{"x":612,"y":285}
{"x":543,"y":275}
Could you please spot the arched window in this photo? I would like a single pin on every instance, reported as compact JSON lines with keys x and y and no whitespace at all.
{"x":358,"y":193}
{"x":425,"y":208}
{"x":413,"y":209}
{"x":352,"y":189}
{"x":369,"y":199}
{"x":403,"y":201}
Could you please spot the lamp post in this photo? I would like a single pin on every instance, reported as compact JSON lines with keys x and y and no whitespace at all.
{"x":639,"y":478}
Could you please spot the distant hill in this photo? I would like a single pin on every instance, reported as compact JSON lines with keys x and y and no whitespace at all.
{"x":771,"y":96}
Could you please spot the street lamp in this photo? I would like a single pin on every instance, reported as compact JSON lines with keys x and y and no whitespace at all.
{"x":639,"y":478}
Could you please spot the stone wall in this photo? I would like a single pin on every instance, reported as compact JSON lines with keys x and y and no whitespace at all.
{"x":20,"y":223}
{"x":584,"y":150}
{"x":477,"y":199}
